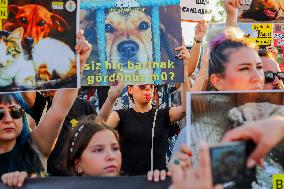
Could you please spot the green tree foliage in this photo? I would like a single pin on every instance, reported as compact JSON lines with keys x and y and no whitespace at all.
{"x":220,"y":14}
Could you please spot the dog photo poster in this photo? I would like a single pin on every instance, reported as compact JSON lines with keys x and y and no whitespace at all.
{"x":211,"y":114}
{"x":132,"y":43}
{"x":278,"y":41}
{"x":37,"y":45}
{"x":262,"y":11}
{"x":197,"y":10}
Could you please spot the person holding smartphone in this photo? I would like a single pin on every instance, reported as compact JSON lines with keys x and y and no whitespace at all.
{"x":200,"y":177}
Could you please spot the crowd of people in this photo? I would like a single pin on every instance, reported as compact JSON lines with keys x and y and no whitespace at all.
{"x":58,"y":134}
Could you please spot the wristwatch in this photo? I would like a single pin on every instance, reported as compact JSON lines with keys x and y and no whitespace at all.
{"x":197,"y":41}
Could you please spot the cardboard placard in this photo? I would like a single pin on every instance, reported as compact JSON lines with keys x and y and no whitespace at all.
{"x":132,"y":44}
{"x":38,"y":53}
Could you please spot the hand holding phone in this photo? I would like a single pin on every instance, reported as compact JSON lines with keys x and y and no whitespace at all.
{"x":228,"y":161}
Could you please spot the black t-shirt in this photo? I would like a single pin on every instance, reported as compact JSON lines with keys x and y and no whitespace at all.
{"x":80,"y":107}
{"x":25,"y":157}
{"x":135,"y":131}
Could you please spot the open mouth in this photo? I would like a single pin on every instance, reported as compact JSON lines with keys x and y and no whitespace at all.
{"x":270,"y":13}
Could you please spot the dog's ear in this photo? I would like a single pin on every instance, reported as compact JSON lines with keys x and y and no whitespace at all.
{"x":252,"y":11}
{"x":168,"y":42}
{"x":59,"y":23}
{"x":13,"y":10}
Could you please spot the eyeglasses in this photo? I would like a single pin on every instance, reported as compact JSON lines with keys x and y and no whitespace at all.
{"x":270,"y":76}
{"x":15,"y":113}
{"x":143,"y":87}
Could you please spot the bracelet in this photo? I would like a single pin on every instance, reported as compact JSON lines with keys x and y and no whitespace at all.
{"x":197,"y":41}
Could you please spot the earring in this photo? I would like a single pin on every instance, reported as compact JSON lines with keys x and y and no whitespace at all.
{"x":80,"y":173}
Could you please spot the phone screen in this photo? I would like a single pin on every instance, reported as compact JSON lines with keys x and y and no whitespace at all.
{"x":228,"y":162}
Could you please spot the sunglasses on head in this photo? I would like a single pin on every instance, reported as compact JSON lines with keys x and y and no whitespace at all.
{"x":143,"y":87}
{"x":15,"y":113}
{"x":270,"y":76}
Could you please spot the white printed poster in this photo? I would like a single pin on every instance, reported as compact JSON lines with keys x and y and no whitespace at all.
{"x":196,"y":10}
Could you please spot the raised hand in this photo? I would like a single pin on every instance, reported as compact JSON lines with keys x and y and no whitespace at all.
{"x":201,"y":30}
{"x":265,"y":133}
{"x":115,"y":90}
{"x":83,"y":49}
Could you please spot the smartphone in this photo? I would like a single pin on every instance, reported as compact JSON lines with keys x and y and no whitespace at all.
{"x":228,"y":162}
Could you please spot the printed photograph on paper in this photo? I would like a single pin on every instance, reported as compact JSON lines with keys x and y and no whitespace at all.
{"x":211,"y":115}
{"x":197,"y":10}
{"x":262,"y":11}
{"x":37,"y":45}
{"x":132,"y":44}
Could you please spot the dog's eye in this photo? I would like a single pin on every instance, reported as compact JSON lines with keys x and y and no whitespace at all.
{"x":23,"y":20}
{"x":109,"y":28}
{"x":143,"y":26}
{"x":41,"y":23}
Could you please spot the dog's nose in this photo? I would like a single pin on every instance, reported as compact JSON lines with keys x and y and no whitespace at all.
{"x":28,"y":41}
{"x":128,"y":48}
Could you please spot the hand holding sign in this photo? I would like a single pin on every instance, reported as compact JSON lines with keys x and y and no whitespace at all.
{"x":197,"y":10}
{"x":201,"y":30}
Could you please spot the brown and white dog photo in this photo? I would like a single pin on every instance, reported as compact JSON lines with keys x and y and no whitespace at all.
{"x":129,"y":40}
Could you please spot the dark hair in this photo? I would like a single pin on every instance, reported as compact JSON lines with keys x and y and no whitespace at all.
{"x":263,"y":52}
{"x":8,"y":99}
{"x":130,"y":95}
{"x":79,"y":139}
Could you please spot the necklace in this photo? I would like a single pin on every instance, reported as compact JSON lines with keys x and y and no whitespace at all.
{"x":153,"y":135}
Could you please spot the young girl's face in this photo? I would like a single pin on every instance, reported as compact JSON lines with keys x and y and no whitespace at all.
{"x":102,"y":156}
{"x":242,"y":72}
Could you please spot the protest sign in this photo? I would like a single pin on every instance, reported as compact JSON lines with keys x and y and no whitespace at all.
{"x":196,"y":10}
{"x":259,"y":33}
{"x":278,"y":39}
{"x":133,"y":44}
{"x":37,"y":46}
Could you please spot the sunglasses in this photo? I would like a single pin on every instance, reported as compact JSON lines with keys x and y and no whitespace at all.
{"x":15,"y":113}
{"x":143,"y":87}
{"x":270,"y":76}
